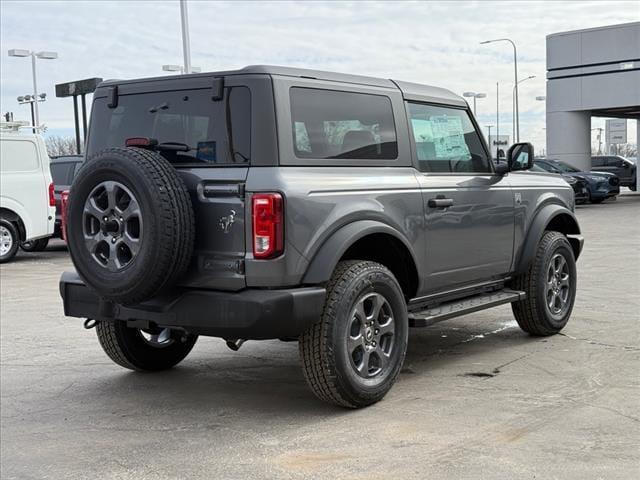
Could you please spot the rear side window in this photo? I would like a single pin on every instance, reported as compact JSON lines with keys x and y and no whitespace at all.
{"x":18,"y":156}
{"x":446,"y":140}
{"x":216,"y":132}
{"x":330,"y":124}
{"x":597,"y":162}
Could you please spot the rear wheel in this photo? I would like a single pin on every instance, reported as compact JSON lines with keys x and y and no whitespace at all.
{"x":9,"y":240}
{"x":35,"y":245}
{"x":353,"y":355}
{"x":143,"y":349}
{"x":550,"y":285}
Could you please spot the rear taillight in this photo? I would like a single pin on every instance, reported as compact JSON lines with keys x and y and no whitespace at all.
{"x":268,"y":217}
{"x":64,"y":202}
{"x":52,"y":198}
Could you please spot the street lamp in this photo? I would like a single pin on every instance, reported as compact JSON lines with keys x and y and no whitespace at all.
{"x":489,"y":127}
{"x":515,"y":69}
{"x":42,"y":55}
{"x":513,"y":107}
{"x":31,"y":100}
{"x":179,"y":68}
{"x":186,"y":47}
{"x":474,"y":95}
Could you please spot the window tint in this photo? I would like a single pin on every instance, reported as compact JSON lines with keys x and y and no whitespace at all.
{"x":18,"y":156}
{"x":614,"y":162}
{"x":332,"y":124}
{"x":446,"y":140}
{"x":217,"y":132}
{"x":60,"y":173}
{"x":597,"y":162}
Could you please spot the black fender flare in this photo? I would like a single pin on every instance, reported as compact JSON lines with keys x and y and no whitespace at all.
{"x":328,"y":255}
{"x":545,"y":216}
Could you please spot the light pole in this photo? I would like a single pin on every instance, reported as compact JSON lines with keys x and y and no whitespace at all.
{"x":513,"y":104}
{"x":497,"y":121}
{"x":179,"y":68}
{"x":474,"y":95}
{"x":186,"y":47}
{"x":489,"y":127}
{"x":515,"y":69}
{"x":42,"y":55}
{"x":31,"y":100}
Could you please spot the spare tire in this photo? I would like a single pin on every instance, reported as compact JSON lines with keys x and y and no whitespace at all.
{"x":131,"y":225}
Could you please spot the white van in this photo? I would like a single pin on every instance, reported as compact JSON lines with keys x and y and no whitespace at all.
{"x":27,"y":204}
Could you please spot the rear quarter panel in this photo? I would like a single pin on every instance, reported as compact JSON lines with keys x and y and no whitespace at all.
{"x":321,"y":200}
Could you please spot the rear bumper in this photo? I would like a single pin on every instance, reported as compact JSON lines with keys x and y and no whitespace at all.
{"x":248,"y":314}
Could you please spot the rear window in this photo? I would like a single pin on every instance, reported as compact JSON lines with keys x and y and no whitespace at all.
{"x":331,"y":124}
{"x":61,"y":172}
{"x":216,"y":132}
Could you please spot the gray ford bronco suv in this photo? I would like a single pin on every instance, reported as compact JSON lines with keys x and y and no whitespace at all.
{"x":335,"y":210}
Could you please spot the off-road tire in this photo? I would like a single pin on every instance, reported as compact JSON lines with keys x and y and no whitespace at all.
{"x":128,"y":348}
{"x":35,"y":245}
{"x":168,"y":226}
{"x":323,"y":350}
{"x":532,"y":313}
{"x":15,"y":239}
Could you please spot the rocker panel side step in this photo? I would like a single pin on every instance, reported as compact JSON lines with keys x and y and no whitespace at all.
{"x":447,"y":310}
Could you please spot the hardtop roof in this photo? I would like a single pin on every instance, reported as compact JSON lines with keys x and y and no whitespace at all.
{"x":412,"y":91}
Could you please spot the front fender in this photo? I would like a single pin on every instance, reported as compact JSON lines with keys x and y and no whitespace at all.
{"x":550,"y":214}
{"x":329,"y":254}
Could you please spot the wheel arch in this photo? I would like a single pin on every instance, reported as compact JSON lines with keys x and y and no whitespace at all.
{"x":15,"y":218}
{"x":550,"y":218}
{"x":366,"y":240}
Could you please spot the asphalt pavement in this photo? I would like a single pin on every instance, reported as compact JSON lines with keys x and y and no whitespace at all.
{"x":477,"y":398}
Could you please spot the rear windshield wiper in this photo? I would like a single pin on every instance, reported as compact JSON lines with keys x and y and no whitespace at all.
{"x":173,"y":147}
{"x":152,"y":143}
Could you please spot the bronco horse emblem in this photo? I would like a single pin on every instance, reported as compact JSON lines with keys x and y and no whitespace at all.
{"x":226,"y":222}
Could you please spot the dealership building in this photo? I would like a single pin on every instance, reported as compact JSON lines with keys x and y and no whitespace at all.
{"x":590,"y":73}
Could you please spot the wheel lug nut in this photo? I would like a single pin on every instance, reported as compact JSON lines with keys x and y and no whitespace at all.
{"x":377,"y":331}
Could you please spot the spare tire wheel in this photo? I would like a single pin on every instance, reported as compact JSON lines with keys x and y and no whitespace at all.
{"x":130,"y":224}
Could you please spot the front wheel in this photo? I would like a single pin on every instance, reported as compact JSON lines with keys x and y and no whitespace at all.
{"x":353,"y":355}
{"x":9,"y":240}
{"x":143,"y":349}
{"x":550,"y":285}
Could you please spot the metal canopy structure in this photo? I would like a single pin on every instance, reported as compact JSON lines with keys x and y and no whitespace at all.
{"x":74,"y":89}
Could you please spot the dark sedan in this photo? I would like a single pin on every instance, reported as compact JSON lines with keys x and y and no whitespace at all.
{"x":600,"y":185}
{"x":580,"y":190}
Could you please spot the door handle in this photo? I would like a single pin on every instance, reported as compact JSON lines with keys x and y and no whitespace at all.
{"x":440,"y":202}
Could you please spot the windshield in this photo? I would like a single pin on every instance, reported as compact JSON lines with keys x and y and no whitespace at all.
{"x":564,"y":167}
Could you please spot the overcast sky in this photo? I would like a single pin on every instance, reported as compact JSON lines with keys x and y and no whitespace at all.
{"x":435,"y":43}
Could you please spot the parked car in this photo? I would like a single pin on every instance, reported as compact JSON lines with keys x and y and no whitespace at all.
{"x":580,"y":189}
{"x":600,"y":185}
{"x":63,"y":170}
{"x":27,"y":207}
{"x":625,"y":169}
{"x":274,"y":202}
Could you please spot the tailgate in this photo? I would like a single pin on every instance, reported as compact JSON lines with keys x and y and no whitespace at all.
{"x":217,"y":195}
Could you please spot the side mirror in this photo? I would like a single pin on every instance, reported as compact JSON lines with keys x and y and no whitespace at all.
{"x":520,"y":156}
